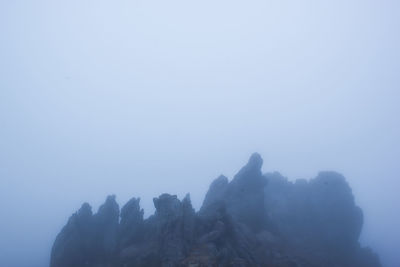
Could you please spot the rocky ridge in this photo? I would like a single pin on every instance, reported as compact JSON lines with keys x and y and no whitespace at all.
{"x":254,"y":220}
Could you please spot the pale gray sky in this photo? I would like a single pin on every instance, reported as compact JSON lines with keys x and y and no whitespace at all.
{"x":143,"y":97}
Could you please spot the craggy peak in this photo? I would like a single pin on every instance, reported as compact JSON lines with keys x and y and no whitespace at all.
{"x":253,"y":220}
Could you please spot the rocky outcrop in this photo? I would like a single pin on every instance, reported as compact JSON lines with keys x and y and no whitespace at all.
{"x":253,"y":220}
{"x":131,"y":224}
{"x":216,"y":192}
{"x":318,"y":218}
{"x":73,"y":245}
{"x":244,"y":195}
{"x":87,"y":239}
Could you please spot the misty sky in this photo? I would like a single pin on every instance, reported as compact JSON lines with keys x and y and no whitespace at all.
{"x":141,"y":97}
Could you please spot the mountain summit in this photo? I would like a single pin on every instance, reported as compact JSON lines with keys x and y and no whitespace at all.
{"x":253,"y":220}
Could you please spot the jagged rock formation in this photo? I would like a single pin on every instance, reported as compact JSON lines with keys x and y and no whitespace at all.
{"x":254,"y":220}
{"x":318,"y":219}
{"x":87,"y":239}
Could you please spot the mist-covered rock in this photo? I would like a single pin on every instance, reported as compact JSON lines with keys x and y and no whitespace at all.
{"x":253,"y":220}
{"x":318,"y":219}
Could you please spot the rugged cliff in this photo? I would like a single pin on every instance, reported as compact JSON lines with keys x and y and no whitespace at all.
{"x":253,"y":220}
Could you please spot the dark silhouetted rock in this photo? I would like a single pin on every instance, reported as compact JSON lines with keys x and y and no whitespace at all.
{"x":88,"y":240}
{"x":253,"y":220}
{"x":105,"y":227}
{"x":318,"y":219}
{"x":216,"y":192}
{"x":243,"y":196}
{"x":131,"y":224}
{"x":167,"y":236}
{"x":73,"y":244}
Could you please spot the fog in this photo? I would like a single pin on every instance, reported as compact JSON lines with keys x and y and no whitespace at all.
{"x":137,"y":98}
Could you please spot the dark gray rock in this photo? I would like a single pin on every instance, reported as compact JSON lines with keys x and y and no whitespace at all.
{"x":170,"y":214}
{"x":72,"y":246}
{"x":253,"y":220}
{"x":216,"y":192}
{"x":167,"y":236}
{"x":87,"y":239}
{"x":318,"y":219}
{"x":243,"y":196}
{"x":106,"y":223}
{"x":131,"y":224}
